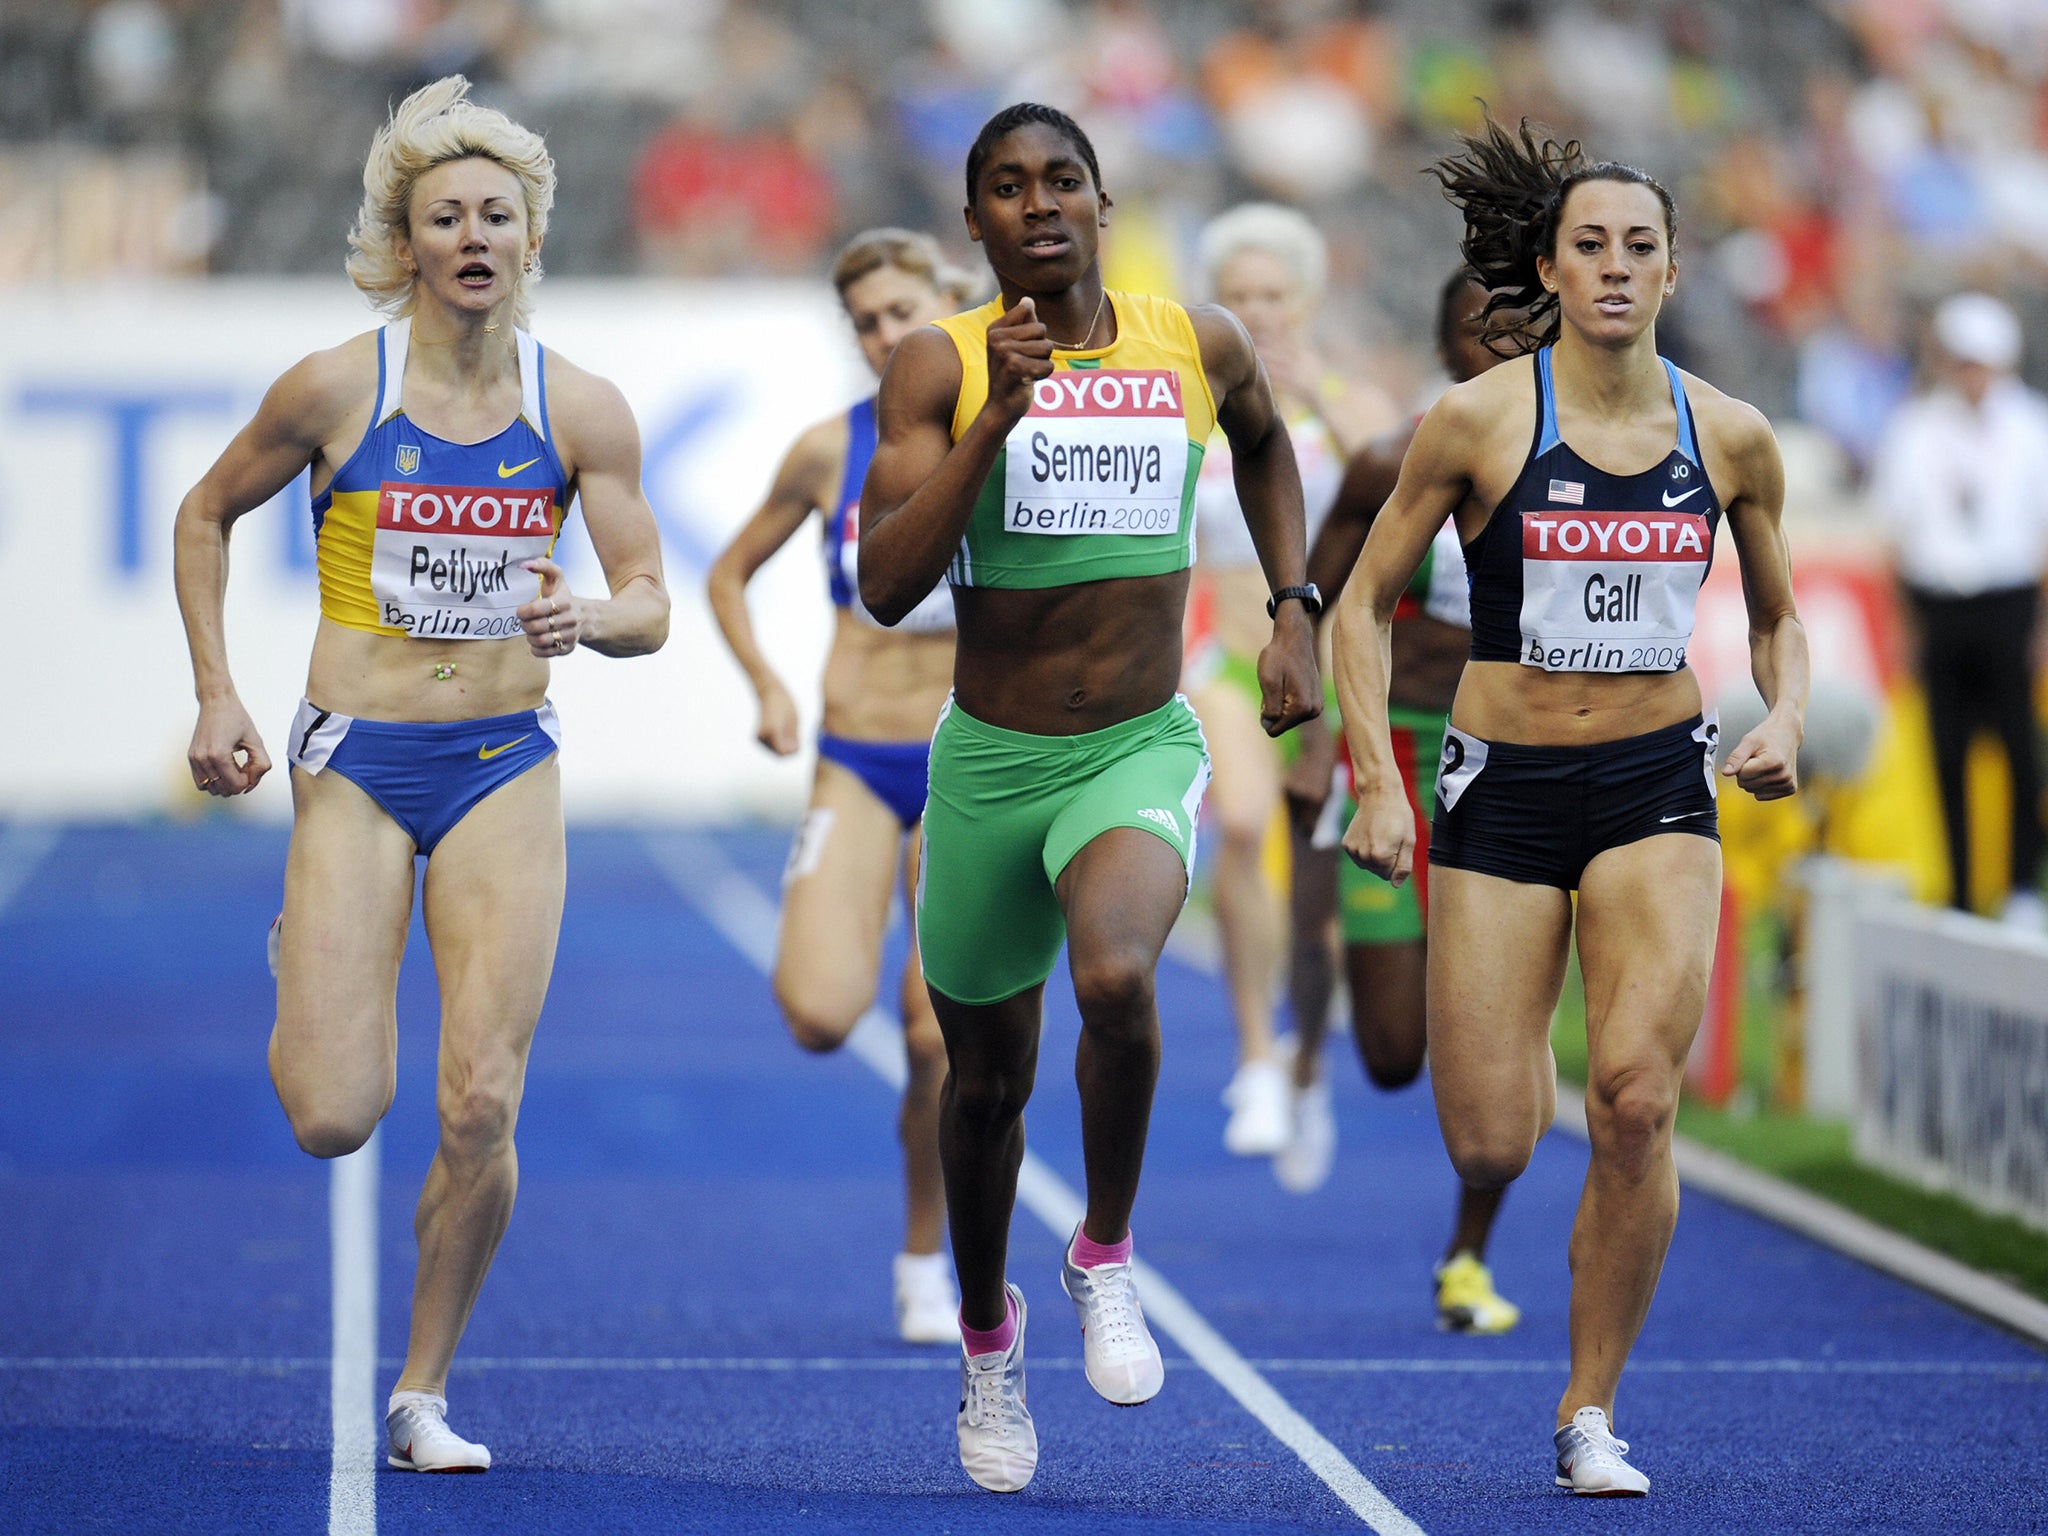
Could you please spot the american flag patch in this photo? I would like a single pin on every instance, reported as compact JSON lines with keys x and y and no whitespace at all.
{"x":1570,"y":491}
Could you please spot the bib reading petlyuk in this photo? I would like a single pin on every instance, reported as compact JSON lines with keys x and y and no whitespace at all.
{"x":447,"y":561}
{"x":1611,"y":591}
{"x":1101,"y":451}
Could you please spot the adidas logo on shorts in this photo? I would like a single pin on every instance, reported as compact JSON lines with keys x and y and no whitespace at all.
{"x":1165,"y":818}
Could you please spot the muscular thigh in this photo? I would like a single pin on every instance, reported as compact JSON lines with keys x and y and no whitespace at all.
{"x":1496,"y":964}
{"x":1648,"y":913}
{"x":494,"y":912}
{"x":836,"y":888}
{"x":347,"y":904}
{"x":1122,"y":894}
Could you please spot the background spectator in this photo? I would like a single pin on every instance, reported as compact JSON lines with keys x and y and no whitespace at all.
{"x":1962,"y":486}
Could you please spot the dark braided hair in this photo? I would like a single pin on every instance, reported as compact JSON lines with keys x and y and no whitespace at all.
{"x":1512,"y":191}
{"x":1009,"y":120}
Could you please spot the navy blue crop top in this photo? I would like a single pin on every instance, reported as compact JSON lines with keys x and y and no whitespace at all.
{"x":1579,"y":570}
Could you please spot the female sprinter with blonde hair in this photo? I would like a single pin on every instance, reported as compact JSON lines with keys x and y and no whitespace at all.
{"x":1267,"y":265}
{"x":883,"y":689}
{"x":446,"y":449}
{"x":1588,"y":483}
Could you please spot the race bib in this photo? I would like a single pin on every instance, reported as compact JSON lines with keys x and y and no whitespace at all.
{"x":1102,"y":450}
{"x":446,"y":561}
{"x":1611,"y":591}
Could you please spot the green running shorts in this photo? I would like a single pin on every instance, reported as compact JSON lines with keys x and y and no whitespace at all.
{"x":1009,"y":810}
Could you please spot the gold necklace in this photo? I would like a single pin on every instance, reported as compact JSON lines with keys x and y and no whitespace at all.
{"x":1082,"y":344}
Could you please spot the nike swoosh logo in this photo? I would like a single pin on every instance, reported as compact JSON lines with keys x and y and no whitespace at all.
{"x":507,"y":474}
{"x":1686,"y":817}
{"x":1669,"y":499}
{"x":487,"y":753}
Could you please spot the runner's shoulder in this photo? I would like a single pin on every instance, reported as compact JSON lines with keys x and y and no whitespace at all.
{"x":923,"y":377}
{"x":1471,"y":419}
{"x":1734,"y":427}
{"x":319,"y":392}
{"x":576,"y":396}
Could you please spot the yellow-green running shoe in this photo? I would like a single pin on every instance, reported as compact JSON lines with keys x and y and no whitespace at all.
{"x":1466,"y":1301}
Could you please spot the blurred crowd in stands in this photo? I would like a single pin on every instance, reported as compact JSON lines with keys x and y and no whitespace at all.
{"x":1839,"y":165}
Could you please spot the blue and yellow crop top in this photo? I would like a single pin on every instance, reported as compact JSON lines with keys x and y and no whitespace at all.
{"x":932,"y":616}
{"x":423,"y":537}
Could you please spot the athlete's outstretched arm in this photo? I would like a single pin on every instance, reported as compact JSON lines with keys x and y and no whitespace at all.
{"x":921,"y":485}
{"x":596,"y":425}
{"x":798,"y":490}
{"x":1268,"y":481}
{"x":1766,"y":761}
{"x":301,"y":414}
{"x":1435,"y":478}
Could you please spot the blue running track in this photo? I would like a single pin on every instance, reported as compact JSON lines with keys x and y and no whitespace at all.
{"x":688,"y":1328}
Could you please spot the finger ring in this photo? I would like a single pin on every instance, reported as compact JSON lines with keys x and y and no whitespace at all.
{"x":562,"y":643}
{"x":551,"y":623}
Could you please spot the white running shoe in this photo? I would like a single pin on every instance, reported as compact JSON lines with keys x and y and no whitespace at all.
{"x":1304,"y":1163}
{"x":927,"y":1306}
{"x":1257,"y":1097}
{"x":1117,"y":1350}
{"x":1589,"y":1459}
{"x":998,"y":1442}
{"x":421,"y":1440}
{"x":272,"y":942}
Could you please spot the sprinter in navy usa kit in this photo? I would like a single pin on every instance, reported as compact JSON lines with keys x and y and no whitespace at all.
{"x":1587,"y":482}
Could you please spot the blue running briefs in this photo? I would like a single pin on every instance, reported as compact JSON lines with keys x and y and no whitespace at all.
{"x":427,"y":775}
{"x":899,"y":772}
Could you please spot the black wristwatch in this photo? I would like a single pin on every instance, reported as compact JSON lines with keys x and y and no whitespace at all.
{"x":1311,"y":599}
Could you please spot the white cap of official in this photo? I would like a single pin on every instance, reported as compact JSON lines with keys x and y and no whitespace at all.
{"x":1976,"y":328}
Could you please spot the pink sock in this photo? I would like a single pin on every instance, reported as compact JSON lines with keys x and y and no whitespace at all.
{"x":993,"y":1340}
{"x":1088,"y":1254}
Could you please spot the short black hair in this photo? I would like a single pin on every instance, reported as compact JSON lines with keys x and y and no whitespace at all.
{"x":1019,"y":115}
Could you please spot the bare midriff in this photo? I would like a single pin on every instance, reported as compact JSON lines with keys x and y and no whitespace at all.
{"x":885,"y":685}
{"x":1059,"y":661}
{"x":1506,"y":701}
{"x":394,"y":677}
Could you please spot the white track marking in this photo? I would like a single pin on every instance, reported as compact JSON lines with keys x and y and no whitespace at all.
{"x":358,"y":1427}
{"x":740,"y":911}
{"x":23,"y":847}
{"x":279,"y":1365}
{"x":1834,"y":1227}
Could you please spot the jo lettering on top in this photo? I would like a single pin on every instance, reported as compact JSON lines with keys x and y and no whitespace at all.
{"x":1101,"y":451}
{"x":1611,"y":591}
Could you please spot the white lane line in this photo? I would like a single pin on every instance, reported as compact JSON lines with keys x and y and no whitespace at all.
{"x":256,"y":1365}
{"x":23,"y":847}
{"x":737,"y":907}
{"x":1833,"y":1226}
{"x":352,"y":1233}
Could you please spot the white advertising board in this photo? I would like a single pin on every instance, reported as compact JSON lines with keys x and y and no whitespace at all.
{"x":114,"y":401}
{"x":1952,"y":1014}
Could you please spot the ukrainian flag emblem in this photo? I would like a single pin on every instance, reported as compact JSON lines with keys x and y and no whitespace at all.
{"x":408,"y":458}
